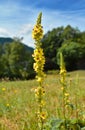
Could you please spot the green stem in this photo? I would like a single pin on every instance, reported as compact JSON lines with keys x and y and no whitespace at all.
{"x":40,"y":107}
{"x":64,"y":103}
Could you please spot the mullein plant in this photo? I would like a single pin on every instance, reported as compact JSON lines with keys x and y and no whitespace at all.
{"x":65,"y":93}
{"x":69,"y":123}
{"x":38,"y":66}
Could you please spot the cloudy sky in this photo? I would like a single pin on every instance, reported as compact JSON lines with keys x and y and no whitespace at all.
{"x":17,"y":17}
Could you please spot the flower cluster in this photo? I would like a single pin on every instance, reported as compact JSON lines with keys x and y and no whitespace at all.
{"x":38,"y":91}
{"x":39,"y":63}
{"x":37,"y":32}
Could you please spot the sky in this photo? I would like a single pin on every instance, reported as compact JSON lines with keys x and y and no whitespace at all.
{"x":18,"y":17}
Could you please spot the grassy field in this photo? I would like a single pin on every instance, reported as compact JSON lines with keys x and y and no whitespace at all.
{"x":18,"y":104}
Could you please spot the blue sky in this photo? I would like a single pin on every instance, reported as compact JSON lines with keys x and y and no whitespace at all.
{"x":17,"y":17}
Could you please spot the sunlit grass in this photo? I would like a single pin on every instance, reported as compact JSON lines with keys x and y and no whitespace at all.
{"x":18,"y":105}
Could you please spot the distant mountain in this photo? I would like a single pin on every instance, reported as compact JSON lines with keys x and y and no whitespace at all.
{"x":4,"y":40}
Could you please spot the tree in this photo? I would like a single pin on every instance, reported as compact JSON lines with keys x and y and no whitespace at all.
{"x":5,"y":60}
{"x":72,"y":53}
{"x":1,"y":61}
{"x":54,"y":39}
{"x":50,"y":43}
{"x":17,"y":61}
{"x":20,"y":59}
{"x":70,"y":33}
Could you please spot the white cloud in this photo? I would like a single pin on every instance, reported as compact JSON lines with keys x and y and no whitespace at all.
{"x":26,"y":29}
{"x":53,"y":19}
{"x":4,"y":32}
{"x":28,"y":40}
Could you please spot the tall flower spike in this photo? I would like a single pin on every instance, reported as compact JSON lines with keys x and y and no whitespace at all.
{"x":65,"y":94}
{"x":38,"y":66}
{"x":63,"y":83}
{"x":37,"y":33}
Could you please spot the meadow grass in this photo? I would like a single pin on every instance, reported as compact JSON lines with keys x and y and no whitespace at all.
{"x":18,"y":105}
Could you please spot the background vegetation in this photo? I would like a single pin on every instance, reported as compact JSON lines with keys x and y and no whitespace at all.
{"x":70,"y":41}
{"x":16,"y":58}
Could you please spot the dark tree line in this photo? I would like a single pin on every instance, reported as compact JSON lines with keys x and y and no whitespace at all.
{"x":69,"y":40}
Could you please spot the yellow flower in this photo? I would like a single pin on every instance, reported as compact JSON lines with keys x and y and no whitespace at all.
{"x":43,"y":115}
{"x":39,"y":91}
{"x":15,"y":91}
{"x":3,"y":89}
{"x":62,"y":88}
{"x":66,"y":94}
{"x":7,"y":104}
{"x":62,"y":71}
{"x":40,"y":79}
{"x":35,"y":66}
{"x":43,"y":103}
{"x":37,"y":32}
{"x":43,"y":91}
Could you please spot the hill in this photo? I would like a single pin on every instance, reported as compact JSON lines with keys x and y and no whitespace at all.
{"x":4,"y":40}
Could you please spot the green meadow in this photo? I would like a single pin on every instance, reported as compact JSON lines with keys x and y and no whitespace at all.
{"x":18,"y":105}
